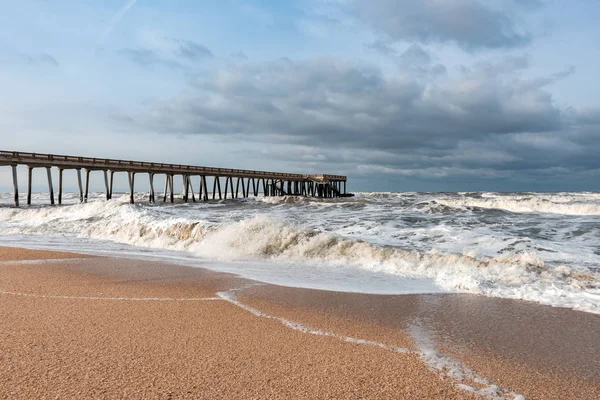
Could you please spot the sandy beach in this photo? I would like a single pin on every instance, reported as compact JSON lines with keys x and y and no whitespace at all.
{"x":76,"y":326}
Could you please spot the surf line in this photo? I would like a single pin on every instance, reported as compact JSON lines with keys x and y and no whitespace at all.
{"x":454,"y":369}
{"x":437,"y":363}
{"x":98,"y":298}
{"x":44,"y":261}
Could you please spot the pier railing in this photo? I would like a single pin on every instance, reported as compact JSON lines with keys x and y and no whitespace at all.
{"x":273,"y":183}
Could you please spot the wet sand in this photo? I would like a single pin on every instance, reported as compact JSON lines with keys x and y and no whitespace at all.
{"x":92,"y":327}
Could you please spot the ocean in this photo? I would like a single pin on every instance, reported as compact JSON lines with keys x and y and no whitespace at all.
{"x":542,"y":247}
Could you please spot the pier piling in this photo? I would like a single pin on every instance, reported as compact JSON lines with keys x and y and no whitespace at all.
{"x":186,"y":187}
{"x":166,"y":188}
{"x":60,"y":185}
{"x":106,"y":185}
{"x":15,"y":185}
{"x":87,"y":185}
{"x":29,"y":183}
{"x":151,"y":195}
{"x":50,"y":187}
{"x":79,"y":185}
{"x":131,"y":187}
{"x":204,"y":188}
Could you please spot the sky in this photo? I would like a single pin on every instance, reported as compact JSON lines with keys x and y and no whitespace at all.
{"x":399,"y":95}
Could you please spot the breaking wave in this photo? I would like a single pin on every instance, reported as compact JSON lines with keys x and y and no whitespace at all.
{"x":266,"y":238}
{"x":552,"y":204}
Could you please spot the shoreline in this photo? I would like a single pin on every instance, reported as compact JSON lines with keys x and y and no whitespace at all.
{"x":374,"y":346}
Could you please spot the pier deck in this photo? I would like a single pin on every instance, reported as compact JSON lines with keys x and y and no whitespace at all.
{"x":273,"y":183}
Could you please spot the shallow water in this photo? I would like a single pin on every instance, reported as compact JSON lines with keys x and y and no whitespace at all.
{"x":534,"y":246}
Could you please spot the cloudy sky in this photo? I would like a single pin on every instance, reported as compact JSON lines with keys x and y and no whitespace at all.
{"x":400,"y":95}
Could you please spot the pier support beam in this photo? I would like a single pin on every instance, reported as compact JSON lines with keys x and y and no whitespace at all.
{"x":79,"y":185}
{"x":60,"y":185}
{"x":111,"y":181}
{"x":131,"y":187}
{"x":237,"y":188}
{"x":171,"y":177}
{"x":227,"y":186}
{"x":217,"y":185}
{"x":15,"y":185}
{"x":29,"y":183}
{"x":200,"y":189}
{"x":191,"y":189}
{"x":87,"y":185}
{"x":151,"y":195}
{"x":166,"y":188}
{"x":203,"y":189}
{"x":106,"y":185}
{"x":50,"y":187}
{"x":186,"y":187}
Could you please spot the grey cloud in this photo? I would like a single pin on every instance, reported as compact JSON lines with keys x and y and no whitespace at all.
{"x":416,"y":55}
{"x":381,"y":47}
{"x":192,"y":50}
{"x":418,"y":61}
{"x":182,"y":54}
{"x":472,"y":24}
{"x":41,"y":60}
{"x":327,"y":101}
{"x":146,"y":58}
{"x":240,"y":55}
{"x":590,"y":116}
{"x":48,"y":59}
{"x":486,"y":119}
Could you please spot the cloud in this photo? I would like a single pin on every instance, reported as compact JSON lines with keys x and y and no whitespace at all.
{"x":328,"y":101}
{"x":415,"y":55}
{"x":43,"y":59}
{"x":48,"y":59}
{"x":147,"y":58}
{"x":176,"y":54}
{"x":472,"y":24}
{"x":192,"y":50}
{"x":381,"y":47}
{"x":240,"y":56}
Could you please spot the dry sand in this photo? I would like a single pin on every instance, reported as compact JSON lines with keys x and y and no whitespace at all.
{"x":92,"y":327}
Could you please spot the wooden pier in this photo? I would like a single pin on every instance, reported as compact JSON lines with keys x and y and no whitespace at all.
{"x":236,"y":181}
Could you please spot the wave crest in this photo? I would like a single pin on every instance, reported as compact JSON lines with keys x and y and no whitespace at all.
{"x":529,"y":204}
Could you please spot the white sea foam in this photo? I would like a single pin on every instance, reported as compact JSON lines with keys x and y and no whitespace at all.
{"x":588,"y":204}
{"x":387,"y":236}
{"x":466,"y":379}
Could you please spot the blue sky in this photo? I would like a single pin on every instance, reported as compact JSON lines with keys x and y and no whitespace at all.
{"x":400,"y":95}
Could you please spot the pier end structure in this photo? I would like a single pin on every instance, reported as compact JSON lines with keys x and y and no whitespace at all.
{"x":273,"y":183}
